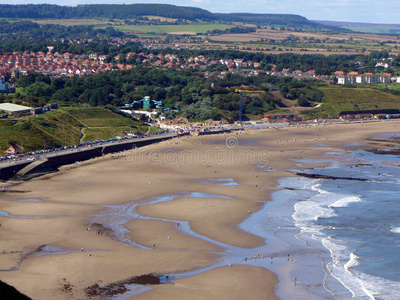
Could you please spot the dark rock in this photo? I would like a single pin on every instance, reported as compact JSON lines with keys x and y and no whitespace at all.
{"x":118,"y":287}
{"x":318,"y":176}
{"x":8,"y":292}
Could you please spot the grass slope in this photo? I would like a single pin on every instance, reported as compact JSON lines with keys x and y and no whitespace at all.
{"x":337,"y":99}
{"x":67,"y":126}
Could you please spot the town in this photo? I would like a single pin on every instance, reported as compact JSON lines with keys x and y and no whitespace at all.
{"x":69,"y":65}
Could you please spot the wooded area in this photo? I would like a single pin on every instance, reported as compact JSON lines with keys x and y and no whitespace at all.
{"x":164,"y":10}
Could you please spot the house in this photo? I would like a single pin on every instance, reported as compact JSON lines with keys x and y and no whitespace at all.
{"x":93,"y":56}
{"x":13,"y":150}
{"x":353,"y":73}
{"x":67,"y":55}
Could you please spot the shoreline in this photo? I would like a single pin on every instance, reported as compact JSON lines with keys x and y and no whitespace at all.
{"x":83,"y":191}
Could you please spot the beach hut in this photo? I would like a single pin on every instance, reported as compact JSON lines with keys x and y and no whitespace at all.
{"x":13,"y":150}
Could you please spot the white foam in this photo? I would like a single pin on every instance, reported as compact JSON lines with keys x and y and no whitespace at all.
{"x":310,"y":211}
{"x":316,"y":188}
{"x":379,"y":288}
{"x":345,"y":264}
{"x":395,"y":229}
{"x":361,"y":285}
{"x":341,"y":269}
{"x":314,"y":208}
{"x":345,"y":201}
{"x":352,"y":262}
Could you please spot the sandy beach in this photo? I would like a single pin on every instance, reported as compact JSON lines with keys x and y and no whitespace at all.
{"x":166,"y":209}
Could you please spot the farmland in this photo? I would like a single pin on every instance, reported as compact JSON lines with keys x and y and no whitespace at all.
{"x":270,"y":40}
{"x":75,"y":22}
{"x":192,"y":29}
{"x":365,"y":27}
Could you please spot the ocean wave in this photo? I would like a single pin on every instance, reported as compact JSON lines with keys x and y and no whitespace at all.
{"x":342,"y":269}
{"x":345,"y":201}
{"x":319,"y":199}
{"x":306,"y":211}
{"x":353,"y":261}
{"x":361,"y":285}
{"x":377,"y":287}
{"x":317,"y":188}
{"x":395,"y":229}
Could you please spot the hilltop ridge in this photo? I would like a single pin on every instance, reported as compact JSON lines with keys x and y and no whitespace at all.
{"x":131,"y":11}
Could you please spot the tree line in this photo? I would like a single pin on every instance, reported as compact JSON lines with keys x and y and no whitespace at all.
{"x":109,"y":11}
{"x":130,"y":11}
{"x":27,"y":31}
{"x":187,"y":93}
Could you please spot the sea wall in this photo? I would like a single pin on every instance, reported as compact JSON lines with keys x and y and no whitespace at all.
{"x":55,"y":160}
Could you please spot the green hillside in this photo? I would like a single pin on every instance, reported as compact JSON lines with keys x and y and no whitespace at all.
{"x":138,"y":11}
{"x":277,"y":20}
{"x":68,"y":126}
{"x":337,"y":99}
{"x":113,"y":11}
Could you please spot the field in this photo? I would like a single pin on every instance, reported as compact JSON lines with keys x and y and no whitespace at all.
{"x":376,"y":28}
{"x":311,"y":42}
{"x":163,"y":19}
{"x":190,"y":28}
{"x":73,"y":22}
{"x":265,"y":39}
{"x":337,"y":99}
{"x":67,"y":126}
{"x":173,"y":29}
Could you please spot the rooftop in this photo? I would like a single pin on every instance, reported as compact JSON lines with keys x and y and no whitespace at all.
{"x":9,"y":107}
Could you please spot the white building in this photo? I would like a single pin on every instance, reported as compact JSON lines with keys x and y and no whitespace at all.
{"x":353,"y":78}
{"x":10,"y":108}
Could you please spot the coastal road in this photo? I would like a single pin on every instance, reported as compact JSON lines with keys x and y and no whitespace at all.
{"x":94,"y":145}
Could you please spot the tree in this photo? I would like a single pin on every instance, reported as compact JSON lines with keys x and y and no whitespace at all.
{"x":302,"y":101}
{"x":144,"y":118}
{"x":58,"y":83}
{"x":40,"y":89}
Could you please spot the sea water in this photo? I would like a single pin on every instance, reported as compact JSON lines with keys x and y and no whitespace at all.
{"x":351,"y":225}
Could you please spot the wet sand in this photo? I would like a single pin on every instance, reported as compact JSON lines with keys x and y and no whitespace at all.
{"x":112,"y":218}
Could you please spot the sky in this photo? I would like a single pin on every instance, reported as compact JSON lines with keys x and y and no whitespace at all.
{"x":366,"y":11}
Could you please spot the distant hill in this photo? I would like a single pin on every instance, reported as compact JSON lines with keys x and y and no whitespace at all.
{"x":276,"y":20}
{"x":355,"y":24}
{"x":364,"y":27}
{"x":109,"y":11}
{"x":124,"y":11}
